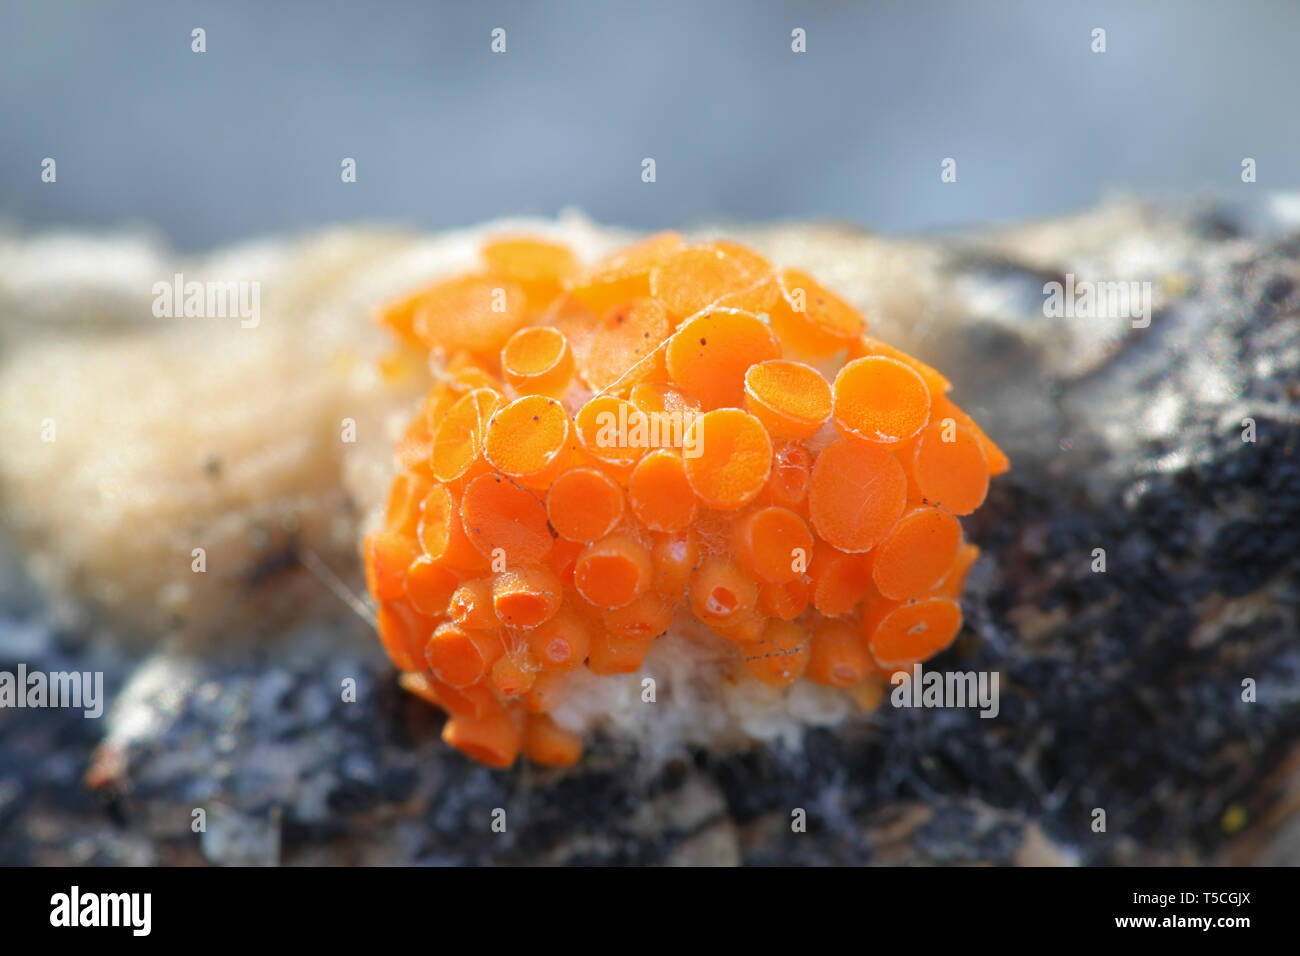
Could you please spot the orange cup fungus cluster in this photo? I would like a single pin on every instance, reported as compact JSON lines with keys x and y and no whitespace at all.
{"x":676,"y":429}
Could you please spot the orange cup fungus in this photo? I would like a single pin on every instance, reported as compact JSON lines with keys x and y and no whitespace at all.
{"x":677,"y":431}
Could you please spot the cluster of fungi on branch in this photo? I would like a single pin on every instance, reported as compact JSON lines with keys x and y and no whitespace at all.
{"x":678,"y":429}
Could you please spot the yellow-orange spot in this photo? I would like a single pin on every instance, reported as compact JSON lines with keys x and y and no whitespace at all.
{"x":561,"y":643}
{"x":791,"y":399}
{"x":550,"y":745}
{"x":514,"y":672}
{"x":584,"y":504}
{"x":839,"y":580}
{"x":429,"y":586}
{"x":787,"y":485}
{"x":540,"y":266}
{"x":773,"y":544}
{"x":471,"y":702}
{"x":624,"y":344}
{"x":661,"y":496}
{"x":564,"y":558}
{"x":660,"y":399}
{"x":613,"y":572}
{"x":475,"y":313}
{"x":785,"y":601}
{"x":526,"y":596}
{"x":761,"y":293}
{"x":720,"y":591}
{"x":606,"y":427}
{"x":857,"y":492}
{"x":403,"y":632}
{"x":470,"y":605}
{"x":699,"y":277}
{"x":710,"y":354}
{"x":674,"y":556}
{"x":997,"y":460}
{"x":528,"y":439}
{"x":839,"y":656}
{"x":732,"y":458}
{"x":498,"y":514}
{"x":949,"y":473}
{"x":902,"y":634}
{"x":880,"y":400}
{"x":934,"y":381}
{"x":402,"y":513}
{"x":810,"y":318}
{"x":463,"y":372}
{"x":624,"y":275}
{"x":537,"y":361}
{"x":743,"y":629}
{"x":613,"y":654}
{"x":388,"y":554}
{"x":442,"y":534}
{"x":398,"y":315}
{"x":460,"y":657}
{"x":916,"y":554}
{"x":493,"y":739}
{"x":647,"y":616}
{"x":458,"y":441}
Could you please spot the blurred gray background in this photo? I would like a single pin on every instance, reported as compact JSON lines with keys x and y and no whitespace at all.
{"x":248,"y":137}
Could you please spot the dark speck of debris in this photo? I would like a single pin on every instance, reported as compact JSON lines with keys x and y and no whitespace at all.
{"x":1278,"y":288}
{"x":275,"y":563}
{"x":704,"y":341}
{"x":212,"y":467}
{"x":534,"y":418}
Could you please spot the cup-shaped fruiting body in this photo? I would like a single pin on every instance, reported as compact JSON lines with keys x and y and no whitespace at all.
{"x":676,"y":433}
